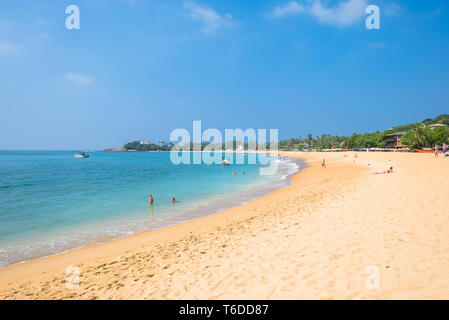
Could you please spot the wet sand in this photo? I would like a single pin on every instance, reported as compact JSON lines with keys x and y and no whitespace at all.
{"x":335,"y":233}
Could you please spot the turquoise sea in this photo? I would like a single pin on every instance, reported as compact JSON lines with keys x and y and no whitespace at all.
{"x":51,"y":201}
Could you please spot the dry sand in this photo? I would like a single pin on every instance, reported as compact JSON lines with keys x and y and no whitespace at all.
{"x":331,"y":235}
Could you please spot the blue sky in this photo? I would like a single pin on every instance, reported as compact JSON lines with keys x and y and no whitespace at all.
{"x":138,"y":69}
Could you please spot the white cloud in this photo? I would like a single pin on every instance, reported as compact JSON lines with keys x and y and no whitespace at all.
{"x":290,"y":8}
{"x":79,"y":78}
{"x":211,"y":19}
{"x":10,"y":49}
{"x":345,"y":13}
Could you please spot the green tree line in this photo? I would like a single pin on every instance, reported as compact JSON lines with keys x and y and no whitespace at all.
{"x":417,"y":135}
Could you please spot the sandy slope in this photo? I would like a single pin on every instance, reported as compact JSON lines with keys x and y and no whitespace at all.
{"x":314,"y":239}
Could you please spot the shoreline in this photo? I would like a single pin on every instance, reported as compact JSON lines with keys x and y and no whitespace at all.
{"x":189,"y":215}
{"x":313,"y":239}
{"x":154,"y":237}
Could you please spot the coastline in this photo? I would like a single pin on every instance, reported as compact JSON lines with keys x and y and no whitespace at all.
{"x":158,"y":234}
{"x":197,"y":204}
{"x":312,"y":239}
{"x":56,"y":264}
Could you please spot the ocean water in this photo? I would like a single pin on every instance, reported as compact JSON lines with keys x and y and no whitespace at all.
{"x":51,"y":202}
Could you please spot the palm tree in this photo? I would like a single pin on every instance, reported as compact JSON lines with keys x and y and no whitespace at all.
{"x":417,"y":138}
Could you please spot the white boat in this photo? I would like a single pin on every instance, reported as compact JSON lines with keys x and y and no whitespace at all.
{"x":81,"y":155}
{"x":226,"y":162}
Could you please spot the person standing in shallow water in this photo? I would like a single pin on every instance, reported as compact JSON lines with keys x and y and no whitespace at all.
{"x":150,"y":196}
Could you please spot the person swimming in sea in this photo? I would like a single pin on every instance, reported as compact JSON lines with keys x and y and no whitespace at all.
{"x":173,"y":200}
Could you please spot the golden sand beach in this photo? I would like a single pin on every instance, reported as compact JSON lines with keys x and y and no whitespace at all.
{"x":324,"y":237}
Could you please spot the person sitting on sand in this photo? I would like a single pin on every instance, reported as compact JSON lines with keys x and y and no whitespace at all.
{"x":151,"y":198}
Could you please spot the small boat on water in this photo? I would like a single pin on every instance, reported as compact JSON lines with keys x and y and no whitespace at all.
{"x":81,"y":155}
{"x":225,"y":162}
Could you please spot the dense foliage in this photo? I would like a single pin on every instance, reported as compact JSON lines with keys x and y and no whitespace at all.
{"x":425,"y":137}
{"x":417,"y":135}
{"x":443,"y":119}
{"x":136,"y":145}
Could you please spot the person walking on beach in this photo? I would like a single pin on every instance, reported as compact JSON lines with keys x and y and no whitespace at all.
{"x":323,"y":164}
{"x":444,"y":148}
{"x":436,"y":151}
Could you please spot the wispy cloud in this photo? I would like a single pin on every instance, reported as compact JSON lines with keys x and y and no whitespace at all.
{"x":290,"y":8}
{"x":208,"y":16}
{"x":10,"y":49}
{"x":43,"y":35}
{"x":79,"y":78}
{"x":41,"y":21}
{"x":392,"y":9}
{"x":345,"y":12}
{"x":376,"y":45}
